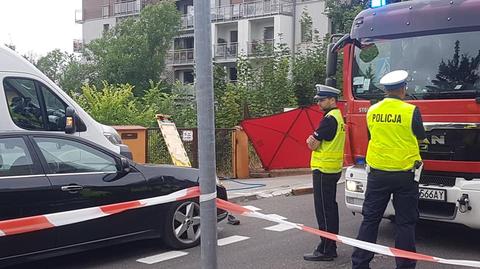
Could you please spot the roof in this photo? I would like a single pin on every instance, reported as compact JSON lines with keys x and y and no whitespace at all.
{"x":418,"y":16}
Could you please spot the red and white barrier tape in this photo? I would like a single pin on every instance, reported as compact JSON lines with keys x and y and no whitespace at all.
{"x":393,"y":252}
{"x":35,"y":223}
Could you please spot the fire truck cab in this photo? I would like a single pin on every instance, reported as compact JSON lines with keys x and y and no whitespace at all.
{"x":438,"y":43}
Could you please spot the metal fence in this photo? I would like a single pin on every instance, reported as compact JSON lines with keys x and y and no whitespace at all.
{"x":251,"y":9}
{"x":157,"y":151}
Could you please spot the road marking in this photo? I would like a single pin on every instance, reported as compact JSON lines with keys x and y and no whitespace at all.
{"x":162,"y":257}
{"x":279,"y":228}
{"x":277,"y":216}
{"x":231,"y":239}
{"x":251,"y":207}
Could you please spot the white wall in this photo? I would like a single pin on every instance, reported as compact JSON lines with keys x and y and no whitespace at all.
{"x":93,"y":29}
{"x":244,"y":30}
{"x":283,"y":30}
{"x":320,"y":21}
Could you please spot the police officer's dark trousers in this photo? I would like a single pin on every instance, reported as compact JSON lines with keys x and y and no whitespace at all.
{"x":380,"y":186}
{"x":326,"y":208}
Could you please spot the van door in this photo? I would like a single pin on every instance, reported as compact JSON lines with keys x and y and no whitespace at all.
{"x":24,"y":191}
{"x":33,"y":106}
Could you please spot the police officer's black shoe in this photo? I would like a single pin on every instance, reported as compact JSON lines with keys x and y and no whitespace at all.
{"x":232,"y":220}
{"x":318,"y":256}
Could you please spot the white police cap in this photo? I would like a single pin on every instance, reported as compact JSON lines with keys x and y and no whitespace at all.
{"x":394,"y":80}
{"x":325,"y":91}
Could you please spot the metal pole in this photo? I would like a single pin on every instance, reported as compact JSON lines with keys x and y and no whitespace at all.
{"x":206,"y":133}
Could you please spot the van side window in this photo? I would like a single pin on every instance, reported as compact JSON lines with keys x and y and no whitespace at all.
{"x":15,"y":160}
{"x":33,"y":106}
{"x":55,"y":110}
{"x":23,"y":103}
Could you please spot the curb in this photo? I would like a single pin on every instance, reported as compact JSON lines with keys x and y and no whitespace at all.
{"x":288,"y":192}
{"x":302,"y":191}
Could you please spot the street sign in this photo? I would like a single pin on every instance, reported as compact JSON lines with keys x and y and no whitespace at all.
{"x":187,"y":135}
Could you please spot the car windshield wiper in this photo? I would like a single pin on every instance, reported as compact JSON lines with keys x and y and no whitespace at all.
{"x":370,"y":96}
{"x":452,"y":94}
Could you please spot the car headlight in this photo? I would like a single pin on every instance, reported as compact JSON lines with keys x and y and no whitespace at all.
{"x":354,"y":186}
{"x":113,"y":138}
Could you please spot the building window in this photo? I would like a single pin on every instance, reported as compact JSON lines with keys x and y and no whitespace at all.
{"x":232,"y":76}
{"x":268,"y":33}
{"x":306,"y":27}
{"x":188,"y":77}
{"x":233,"y":36}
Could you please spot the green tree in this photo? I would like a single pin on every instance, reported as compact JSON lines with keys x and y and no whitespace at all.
{"x":266,"y":82}
{"x":134,"y":51}
{"x":306,"y":24}
{"x":308,"y":70}
{"x":229,"y":111}
{"x":76,"y":74}
{"x":460,"y":70}
{"x":115,"y":105}
{"x":11,"y":46}
{"x":67,"y":70}
{"x":342,"y":14}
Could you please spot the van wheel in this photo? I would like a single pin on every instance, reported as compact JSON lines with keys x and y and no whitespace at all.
{"x":182,"y":225}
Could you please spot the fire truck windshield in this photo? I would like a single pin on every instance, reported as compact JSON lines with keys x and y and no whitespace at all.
{"x":443,"y":66}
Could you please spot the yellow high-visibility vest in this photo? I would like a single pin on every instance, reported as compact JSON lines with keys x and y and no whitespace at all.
{"x":393,"y":145}
{"x":328,"y":157}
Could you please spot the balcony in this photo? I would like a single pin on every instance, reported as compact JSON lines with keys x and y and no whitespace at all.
{"x":127,"y":8}
{"x":226,"y":52}
{"x":252,"y":9}
{"x":187,"y":22}
{"x":181,"y":57}
{"x":261,"y":47}
{"x":105,"y":11}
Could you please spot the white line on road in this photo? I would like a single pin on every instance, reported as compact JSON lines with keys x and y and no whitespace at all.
{"x":251,"y":207}
{"x":279,"y":228}
{"x":277,"y":216}
{"x":231,"y":239}
{"x":162,"y":257}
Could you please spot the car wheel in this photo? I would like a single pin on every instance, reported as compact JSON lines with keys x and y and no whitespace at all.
{"x":182,"y":225}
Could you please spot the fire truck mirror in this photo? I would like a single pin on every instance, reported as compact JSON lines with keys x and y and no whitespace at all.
{"x":331,"y":61}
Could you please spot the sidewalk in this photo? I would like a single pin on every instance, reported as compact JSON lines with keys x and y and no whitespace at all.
{"x":241,"y":190}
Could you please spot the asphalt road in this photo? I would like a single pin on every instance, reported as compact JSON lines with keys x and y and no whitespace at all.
{"x":262,"y":248}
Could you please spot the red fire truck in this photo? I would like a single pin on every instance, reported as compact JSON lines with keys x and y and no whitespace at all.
{"x":438,"y":43}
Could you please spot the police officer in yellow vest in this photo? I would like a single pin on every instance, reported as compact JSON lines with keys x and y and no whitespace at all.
{"x":327,"y":144}
{"x":395,"y":129}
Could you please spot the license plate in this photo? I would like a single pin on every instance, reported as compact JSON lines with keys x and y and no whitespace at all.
{"x":432,"y":194}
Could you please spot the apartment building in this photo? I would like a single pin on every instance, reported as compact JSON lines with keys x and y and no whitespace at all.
{"x":243,"y":27}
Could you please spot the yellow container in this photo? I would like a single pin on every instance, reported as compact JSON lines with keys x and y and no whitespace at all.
{"x":135,"y":137}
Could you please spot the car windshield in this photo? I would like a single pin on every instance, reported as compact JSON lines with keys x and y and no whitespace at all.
{"x":443,"y":66}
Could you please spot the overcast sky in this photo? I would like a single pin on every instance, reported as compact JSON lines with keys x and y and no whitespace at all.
{"x":39,"y":26}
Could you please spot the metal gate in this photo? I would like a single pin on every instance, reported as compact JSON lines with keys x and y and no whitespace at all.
{"x":157,"y":151}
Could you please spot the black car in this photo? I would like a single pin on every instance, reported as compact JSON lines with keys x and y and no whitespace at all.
{"x":47,"y":173}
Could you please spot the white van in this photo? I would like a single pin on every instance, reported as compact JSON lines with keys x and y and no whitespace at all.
{"x":31,"y":101}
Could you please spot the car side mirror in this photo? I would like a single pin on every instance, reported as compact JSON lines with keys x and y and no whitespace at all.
{"x":125,"y":165}
{"x":70,"y":118}
{"x":124,"y":169}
